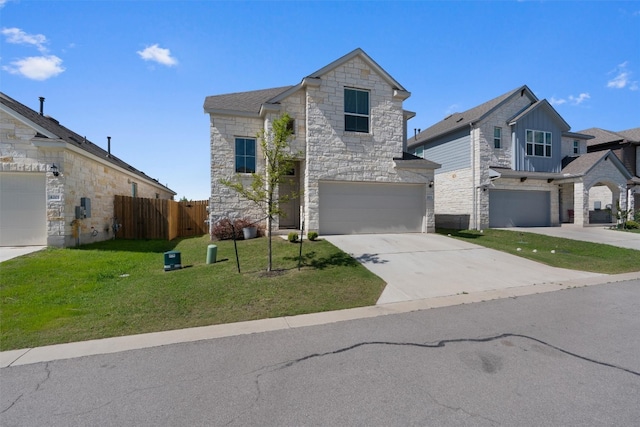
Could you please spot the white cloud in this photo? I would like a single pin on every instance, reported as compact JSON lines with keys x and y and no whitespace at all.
{"x":158,"y":54}
{"x":17,"y":36}
{"x":577,"y":100}
{"x":572,"y":100}
{"x":36,"y":67}
{"x":557,"y":101}
{"x":622,"y":78}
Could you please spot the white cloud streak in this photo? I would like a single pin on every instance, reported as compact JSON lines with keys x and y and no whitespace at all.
{"x":622,"y":78}
{"x":36,"y":67}
{"x":571,"y":100}
{"x":17,"y":36}
{"x":157,"y":54}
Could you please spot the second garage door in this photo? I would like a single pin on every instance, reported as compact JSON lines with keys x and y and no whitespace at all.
{"x":360,"y":208}
{"x":512,"y":208}
{"x":23,"y":216}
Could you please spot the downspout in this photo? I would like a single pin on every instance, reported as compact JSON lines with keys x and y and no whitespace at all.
{"x":473,"y":177}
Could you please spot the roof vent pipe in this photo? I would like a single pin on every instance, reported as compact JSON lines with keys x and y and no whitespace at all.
{"x":41,"y":105}
{"x":108,"y":146}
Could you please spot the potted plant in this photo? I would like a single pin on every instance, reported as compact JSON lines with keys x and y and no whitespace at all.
{"x":250,"y":232}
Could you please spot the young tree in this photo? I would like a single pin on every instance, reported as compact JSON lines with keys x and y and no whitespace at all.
{"x":278,"y":163}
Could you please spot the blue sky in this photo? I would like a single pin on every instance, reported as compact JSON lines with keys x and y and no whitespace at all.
{"x":139,"y":71}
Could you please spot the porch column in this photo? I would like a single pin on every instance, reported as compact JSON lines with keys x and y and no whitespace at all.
{"x":580,"y":204}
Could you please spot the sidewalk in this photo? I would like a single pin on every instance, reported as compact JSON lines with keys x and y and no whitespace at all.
{"x":133,"y":342}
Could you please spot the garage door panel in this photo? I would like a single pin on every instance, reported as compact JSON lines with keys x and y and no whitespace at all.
{"x":23,"y":215}
{"x":357,"y":208}
{"x":518,"y":208}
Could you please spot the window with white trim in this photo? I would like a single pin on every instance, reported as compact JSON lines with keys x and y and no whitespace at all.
{"x":497,"y":137}
{"x":245,"y":155}
{"x":538,"y":143}
{"x":576,"y":146}
{"x":356,"y":110}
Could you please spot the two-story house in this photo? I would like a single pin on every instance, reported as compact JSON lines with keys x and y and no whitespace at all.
{"x":512,"y":161}
{"x":626,"y":146}
{"x":353,"y":174}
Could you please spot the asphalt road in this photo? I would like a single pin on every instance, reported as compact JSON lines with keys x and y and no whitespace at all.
{"x":566,"y":358}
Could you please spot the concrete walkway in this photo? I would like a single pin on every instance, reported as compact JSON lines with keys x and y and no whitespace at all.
{"x":417,"y":266}
{"x":10,"y":252}
{"x":592,"y":233}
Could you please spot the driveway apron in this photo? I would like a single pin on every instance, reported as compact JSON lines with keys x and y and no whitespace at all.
{"x":417,"y":266}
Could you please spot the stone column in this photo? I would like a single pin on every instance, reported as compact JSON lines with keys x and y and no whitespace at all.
{"x":581,"y":204}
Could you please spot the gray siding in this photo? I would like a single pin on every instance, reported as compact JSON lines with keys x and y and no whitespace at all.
{"x":537,"y":120}
{"x":452,"y":151}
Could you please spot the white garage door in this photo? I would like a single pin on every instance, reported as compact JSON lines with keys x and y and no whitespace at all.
{"x":512,"y":208}
{"x":23,"y":209}
{"x":359,"y":208}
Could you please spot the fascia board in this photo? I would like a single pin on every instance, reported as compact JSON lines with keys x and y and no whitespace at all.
{"x":370,"y":62}
{"x":221,"y":112}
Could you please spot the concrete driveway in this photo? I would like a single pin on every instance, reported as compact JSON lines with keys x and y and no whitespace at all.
{"x":418,"y":266}
{"x":595,"y":234}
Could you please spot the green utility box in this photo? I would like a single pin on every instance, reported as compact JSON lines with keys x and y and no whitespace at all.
{"x":212,"y":251}
{"x":172,"y":261}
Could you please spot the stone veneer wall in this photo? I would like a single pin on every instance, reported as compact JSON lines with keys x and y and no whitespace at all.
{"x":225,"y":202}
{"x":80,"y":176}
{"x":454,"y":199}
{"x":333,"y":153}
{"x":567,"y":147}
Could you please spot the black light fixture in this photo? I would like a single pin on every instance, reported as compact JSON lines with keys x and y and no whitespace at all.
{"x":430,"y":184}
{"x":54,"y":170}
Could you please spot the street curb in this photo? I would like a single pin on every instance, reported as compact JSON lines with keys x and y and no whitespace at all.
{"x":155,"y":339}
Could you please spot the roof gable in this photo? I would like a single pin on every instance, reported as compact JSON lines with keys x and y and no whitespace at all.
{"x":367,"y":60}
{"x":473,"y":115}
{"x":49,"y":128}
{"x":252,"y":103}
{"x":584,"y":163}
{"x":603,"y":136}
{"x":541,"y":105}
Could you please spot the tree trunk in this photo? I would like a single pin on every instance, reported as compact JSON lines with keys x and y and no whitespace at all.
{"x":269,"y":223}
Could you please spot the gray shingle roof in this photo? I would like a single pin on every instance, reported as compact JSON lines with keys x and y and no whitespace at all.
{"x":249,"y":102}
{"x":457,"y":121}
{"x":53,"y":126}
{"x":601,"y":136}
{"x":585,"y":162}
{"x":631,"y":134}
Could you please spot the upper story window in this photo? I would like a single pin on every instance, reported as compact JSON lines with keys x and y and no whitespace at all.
{"x":497,"y":137}
{"x":134,"y":189}
{"x":576,"y":146}
{"x":245,"y":155}
{"x":419,"y":152}
{"x":356,"y":110}
{"x":291,"y":126}
{"x":538,"y":143}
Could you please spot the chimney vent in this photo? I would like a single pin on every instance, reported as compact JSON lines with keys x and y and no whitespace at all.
{"x":41,"y":105}
{"x":108,"y":146}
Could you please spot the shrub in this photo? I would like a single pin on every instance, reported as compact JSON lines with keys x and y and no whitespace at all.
{"x":293,"y":237}
{"x":222,"y":229}
{"x":632,"y":225}
{"x":312,"y":235}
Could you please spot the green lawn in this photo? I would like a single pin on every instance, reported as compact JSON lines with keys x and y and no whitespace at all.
{"x":119,"y":287}
{"x":572,"y":254}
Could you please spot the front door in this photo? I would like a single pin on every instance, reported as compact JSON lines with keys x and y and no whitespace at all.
{"x":290,"y":185}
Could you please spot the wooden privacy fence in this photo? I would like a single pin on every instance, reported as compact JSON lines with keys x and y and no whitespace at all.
{"x":141,"y":218}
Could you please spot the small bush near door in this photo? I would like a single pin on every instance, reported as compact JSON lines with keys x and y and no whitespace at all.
{"x":222,"y":230}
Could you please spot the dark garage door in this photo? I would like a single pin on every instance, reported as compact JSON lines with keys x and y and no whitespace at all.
{"x":511,"y":208}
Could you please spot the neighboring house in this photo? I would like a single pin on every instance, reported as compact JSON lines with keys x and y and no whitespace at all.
{"x":353,"y":173}
{"x":56,"y":187}
{"x":626,"y":146}
{"x":507,"y":163}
